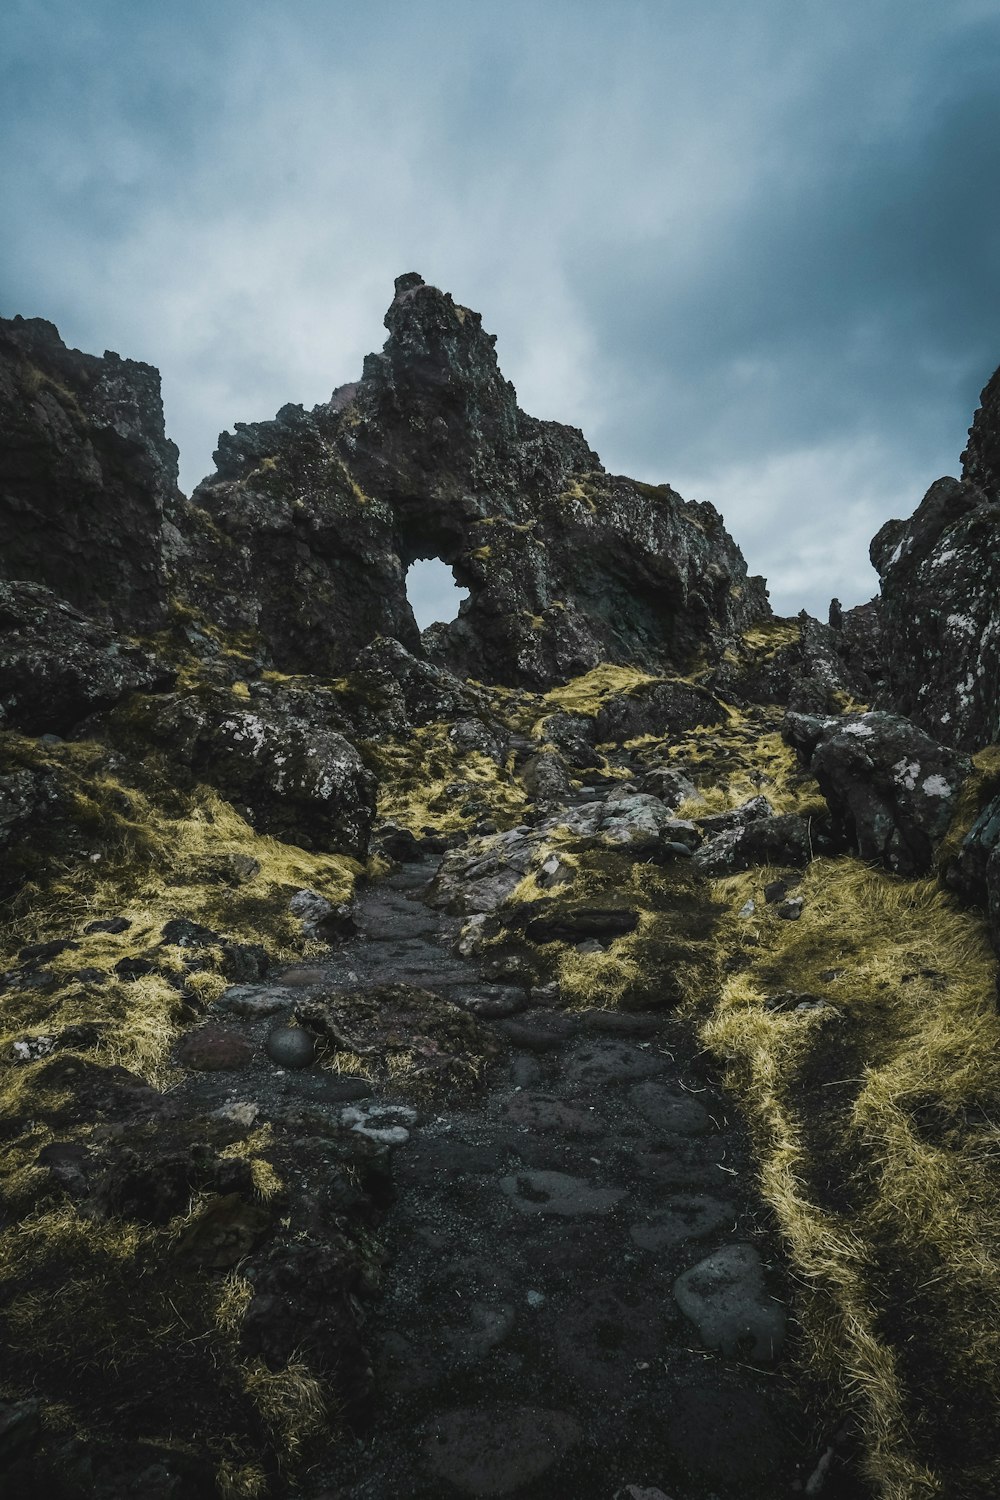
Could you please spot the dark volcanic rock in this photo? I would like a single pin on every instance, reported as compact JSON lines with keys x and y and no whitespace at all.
{"x":311,"y":520}
{"x":56,"y":666}
{"x":771,"y":840}
{"x":86,"y":474}
{"x":810,"y":671}
{"x":891,"y":789}
{"x":276,"y":751}
{"x":662,"y":708}
{"x":940,"y":589}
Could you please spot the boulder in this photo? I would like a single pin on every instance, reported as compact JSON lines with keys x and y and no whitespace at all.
{"x":783,"y":839}
{"x":274,"y":751}
{"x":801,"y":664}
{"x":57,"y":666}
{"x":890,"y":788}
{"x":665,"y":708}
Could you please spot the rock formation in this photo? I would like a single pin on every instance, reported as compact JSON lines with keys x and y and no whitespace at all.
{"x":313,"y":519}
{"x":87,"y":475}
{"x":940,"y":595}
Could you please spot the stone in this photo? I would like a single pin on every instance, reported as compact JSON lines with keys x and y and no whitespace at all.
{"x":725,"y":1297}
{"x":290,"y":1047}
{"x":607,"y":1061}
{"x":670,"y":1109}
{"x":211,"y":1049}
{"x":114,"y":925}
{"x":88,"y":478}
{"x":688,"y":1216}
{"x":602,"y":1335}
{"x":278,"y":752}
{"x":669,"y":785}
{"x":497,"y":1451}
{"x":779,"y":840}
{"x":669,"y":708}
{"x":57,"y":666}
{"x":558,"y":1194}
{"x":891,"y":789}
{"x":253,"y":1003}
{"x":540,"y":1113}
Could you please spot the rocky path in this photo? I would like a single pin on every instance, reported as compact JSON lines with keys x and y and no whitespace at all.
{"x":582,"y":1298}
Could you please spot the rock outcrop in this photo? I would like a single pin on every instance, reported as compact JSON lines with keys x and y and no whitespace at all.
{"x":891,"y":789}
{"x":310,"y":522}
{"x":57,"y":666}
{"x":940,"y":603}
{"x":87,"y":475}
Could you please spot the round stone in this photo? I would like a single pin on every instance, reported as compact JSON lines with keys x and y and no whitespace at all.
{"x":291,"y":1047}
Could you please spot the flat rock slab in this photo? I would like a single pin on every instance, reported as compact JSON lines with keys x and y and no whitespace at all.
{"x":670,"y":1109}
{"x":212,"y":1049}
{"x":601,"y":1343}
{"x":620,"y":1023}
{"x":558,"y":1193}
{"x":547,"y":1037}
{"x":538,"y":1112}
{"x":497,"y":1452}
{"x":725,"y":1297}
{"x":599,"y":1062}
{"x":689,"y":1216}
{"x":252,"y":1003}
{"x":301,"y":977}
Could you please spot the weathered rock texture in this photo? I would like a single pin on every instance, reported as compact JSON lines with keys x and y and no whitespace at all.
{"x":56,"y":666}
{"x":940,"y":601}
{"x":86,"y":475}
{"x":890,"y":788}
{"x":306,"y":529}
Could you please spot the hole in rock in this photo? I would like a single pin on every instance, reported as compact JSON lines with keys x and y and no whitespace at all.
{"x":433,"y":593}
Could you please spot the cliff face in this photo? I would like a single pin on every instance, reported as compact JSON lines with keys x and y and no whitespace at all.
{"x":940,"y":580}
{"x":308,"y":525}
{"x":86,"y":475}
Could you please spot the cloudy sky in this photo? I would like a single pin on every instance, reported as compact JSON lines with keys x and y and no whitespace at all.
{"x":750,"y":248}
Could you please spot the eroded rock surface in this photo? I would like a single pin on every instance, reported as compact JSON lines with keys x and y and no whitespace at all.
{"x":87,"y":475}
{"x":939,"y":596}
{"x":314,"y":518}
{"x":892,"y":790}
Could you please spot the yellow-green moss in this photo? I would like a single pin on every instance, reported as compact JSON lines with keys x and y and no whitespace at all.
{"x":586,"y":694}
{"x":417,"y":770}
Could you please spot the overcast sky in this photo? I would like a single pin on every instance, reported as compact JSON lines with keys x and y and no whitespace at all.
{"x":750,"y":248}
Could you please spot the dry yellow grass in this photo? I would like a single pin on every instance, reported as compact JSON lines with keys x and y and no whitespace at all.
{"x":902,"y":1286}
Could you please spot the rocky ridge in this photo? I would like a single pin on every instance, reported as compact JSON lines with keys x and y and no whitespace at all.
{"x":607,"y":934}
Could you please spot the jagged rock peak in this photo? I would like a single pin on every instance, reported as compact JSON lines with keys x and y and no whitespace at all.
{"x":87,"y":474}
{"x":318,"y":514}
